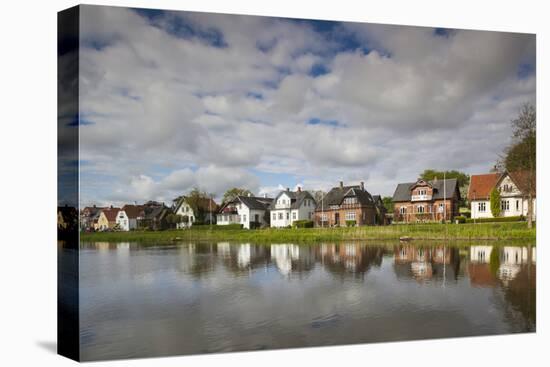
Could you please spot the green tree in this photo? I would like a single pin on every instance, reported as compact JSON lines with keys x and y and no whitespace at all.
{"x":462,"y":179}
{"x":196,"y":199}
{"x":495,"y":202}
{"x":521,"y":154}
{"x":234,"y":192}
{"x":388,"y":203}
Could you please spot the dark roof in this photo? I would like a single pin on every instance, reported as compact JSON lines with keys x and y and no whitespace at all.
{"x":403,"y":190}
{"x":254,"y":202}
{"x":337,"y":194}
{"x":481,"y":185}
{"x":296,"y":198}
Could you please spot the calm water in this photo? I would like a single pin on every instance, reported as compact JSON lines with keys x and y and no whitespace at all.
{"x":142,"y":301}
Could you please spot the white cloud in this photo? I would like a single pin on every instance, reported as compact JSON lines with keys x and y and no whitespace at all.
{"x":172,"y":112}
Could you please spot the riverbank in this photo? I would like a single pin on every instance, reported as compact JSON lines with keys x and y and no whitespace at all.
{"x":481,"y":231}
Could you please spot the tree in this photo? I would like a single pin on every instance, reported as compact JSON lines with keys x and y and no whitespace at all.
{"x":388,"y":203}
{"x":318,"y":195}
{"x":234,"y":192}
{"x":495,"y":202}
{"x":196,"y":200}
{"x":521,"y":154}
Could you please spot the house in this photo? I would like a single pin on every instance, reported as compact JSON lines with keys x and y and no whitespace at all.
{"x":89,"y":216}
{"x":513,"y":188}
{"x":154,"y":216}
{"x":343,"y":205}
{"x":107,"y":219}
{"x":250,"y":211}
{"x":127,"y":217}
{"x":290,"y":206}
{"x":424,"y":200}
{"x":206,"y":208}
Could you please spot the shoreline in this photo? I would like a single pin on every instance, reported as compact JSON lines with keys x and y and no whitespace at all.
{"x":413,"y":232}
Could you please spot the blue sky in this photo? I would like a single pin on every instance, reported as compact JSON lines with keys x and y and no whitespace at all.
{"x":176,"y":100}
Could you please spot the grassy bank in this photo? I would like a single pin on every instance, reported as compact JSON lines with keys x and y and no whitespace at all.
{"x":482,"y":231}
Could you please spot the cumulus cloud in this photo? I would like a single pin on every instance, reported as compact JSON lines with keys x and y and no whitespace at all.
{"x":176,"y":100}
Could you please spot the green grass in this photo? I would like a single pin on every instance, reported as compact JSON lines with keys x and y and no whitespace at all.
{"x":481,"y":231}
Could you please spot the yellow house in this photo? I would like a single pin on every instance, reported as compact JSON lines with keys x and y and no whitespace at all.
{"x":107,"y":219}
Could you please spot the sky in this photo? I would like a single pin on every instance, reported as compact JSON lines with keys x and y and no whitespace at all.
{"x":175,"y":100}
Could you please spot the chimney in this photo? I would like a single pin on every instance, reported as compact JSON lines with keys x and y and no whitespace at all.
{"x":299,"y":189}
{"x":94,"y":205}
{"x":111,"y":207}
{"x":341,"y":184}
{"x":287,"y":189}
{"x":362,"y":186}
{"x":265,"y":195}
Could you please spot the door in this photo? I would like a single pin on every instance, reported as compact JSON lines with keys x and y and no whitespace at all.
{"x":336,"y":219}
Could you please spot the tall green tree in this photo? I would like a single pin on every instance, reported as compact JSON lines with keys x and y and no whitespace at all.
{"x":495,"y":202}
{"x":462,"y":179}
{"x":521,"y":155}
{"x":388,"y":203}
{"x":234,"y":192}
{"x":196,"y":200}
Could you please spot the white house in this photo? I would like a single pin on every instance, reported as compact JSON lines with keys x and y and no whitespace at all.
{"x":290,"y":206}
{"x":512,"y":187}
{"x":127,"y":217}
{"x":250,"y":211}
{"x":183,"y":208}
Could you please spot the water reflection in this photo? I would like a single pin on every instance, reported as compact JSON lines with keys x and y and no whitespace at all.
{"x":246,"y":296}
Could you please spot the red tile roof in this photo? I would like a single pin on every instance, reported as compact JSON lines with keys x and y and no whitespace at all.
{"x":132,"y":211}
{"x":481,"y":185}
{"x":111,"y":214}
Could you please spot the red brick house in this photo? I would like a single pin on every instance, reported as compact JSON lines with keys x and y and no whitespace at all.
{"x":345,"y":204}
{"x":424,"y":201}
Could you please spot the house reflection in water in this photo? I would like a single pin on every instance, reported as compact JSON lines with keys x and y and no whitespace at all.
{"x":242,"y":257}
{"x":350,"y":259}
{"x":426,"y":262}
{"x":289,"y":258}
{"x":512,"y":259}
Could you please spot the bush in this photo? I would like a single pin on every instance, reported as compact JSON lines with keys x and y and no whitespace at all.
{"x":255,"y":225}
{"x":350,"y":223}
{"x":304,"y":223}
{"x":520,"y":218}
{"x":460,"y":219}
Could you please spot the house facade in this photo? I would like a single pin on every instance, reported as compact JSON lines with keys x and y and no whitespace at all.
{"x":347,"y":204}
{"x":250,"y":211}
{"x":290,"y":206}
{"x":127,"y":217}
{"x":89,"y":216}
{"x":107,"y":219}
{"x":426,"y":201}
{"x":513,"y":188}
{"x":208,"y":209}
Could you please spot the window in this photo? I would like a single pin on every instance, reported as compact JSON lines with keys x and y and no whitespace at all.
{"x":420,"y":209}
{"x":403,"y":210}
{"x":244,"y":218}
{"x":274,"y":216}
{"x":324,"y":217}
{"x":350,"y":200}
{"x":309,"y":215}
{"x":287,"y":215}
{"x":517,"y":204}
{"x":294,"y":215}
{"x":505,"y":205}
{"x":192,"y":219}
{"x":350,"y":215}
{"x":481,"y":207}
{"x":422,"y":192}
{"x":280,"y":216}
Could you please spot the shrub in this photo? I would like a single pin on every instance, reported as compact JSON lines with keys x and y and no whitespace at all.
{"x":460,"y":219}
{"x":304,"y":223}
{"x":255,"y":225}
{"x":350,"y":223}
{"x":520,"y":218}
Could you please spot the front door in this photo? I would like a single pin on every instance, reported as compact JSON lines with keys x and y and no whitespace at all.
{"x":257,"y":218}
{"x":336,"y":219}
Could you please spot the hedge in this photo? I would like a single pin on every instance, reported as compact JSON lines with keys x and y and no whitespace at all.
{"x":519,"y":218}
{"x":350,"y":223}
{"x":304,"y":223}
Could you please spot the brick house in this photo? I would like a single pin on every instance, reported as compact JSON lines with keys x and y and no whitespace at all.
{"x":423,"y":200}
{"x":346,"y":203}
